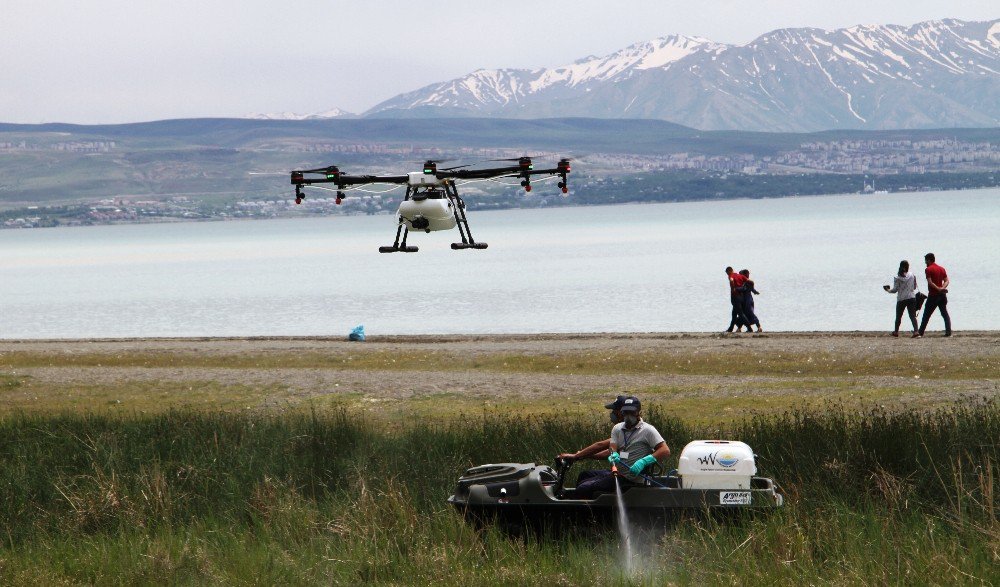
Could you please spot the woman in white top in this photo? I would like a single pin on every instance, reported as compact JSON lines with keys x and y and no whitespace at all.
{"x":904,"y":285}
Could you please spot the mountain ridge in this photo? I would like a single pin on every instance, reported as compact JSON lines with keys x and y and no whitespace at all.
{"x":937,"y":73}
{"x":324,"y":115}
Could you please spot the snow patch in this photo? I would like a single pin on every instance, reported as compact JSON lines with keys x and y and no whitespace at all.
{"x":895,"y":57}
{"x":842,"y":53}
{"x":993,"y":35}
{"x":331,"y":113}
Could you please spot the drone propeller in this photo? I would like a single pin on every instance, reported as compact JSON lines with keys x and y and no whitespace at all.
{"x":515,"y":158}
{"x":327,"y":169}
{"x":524,"y":162}
{"x":431,"y":166}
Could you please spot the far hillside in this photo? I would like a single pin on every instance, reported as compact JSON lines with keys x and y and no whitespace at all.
{"x":206,"y":166}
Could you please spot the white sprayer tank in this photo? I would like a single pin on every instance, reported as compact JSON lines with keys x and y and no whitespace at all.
{"x":429,"y":214}
{"x":716,"y":464}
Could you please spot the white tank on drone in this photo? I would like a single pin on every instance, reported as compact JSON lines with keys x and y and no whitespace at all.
{"x":427,"y":211}
{"x":716,"y":464}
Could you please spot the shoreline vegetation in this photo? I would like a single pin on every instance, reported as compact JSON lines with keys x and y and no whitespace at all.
{"x":281,"y":460}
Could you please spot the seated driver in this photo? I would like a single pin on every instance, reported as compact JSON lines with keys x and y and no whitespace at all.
{"x":635,"y":445}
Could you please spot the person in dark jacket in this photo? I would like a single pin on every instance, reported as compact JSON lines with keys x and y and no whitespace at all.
{"x":747,"y":291}
{"x":739,"y":319}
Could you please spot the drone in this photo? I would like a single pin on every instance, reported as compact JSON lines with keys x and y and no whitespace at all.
{"x":431,"y":202}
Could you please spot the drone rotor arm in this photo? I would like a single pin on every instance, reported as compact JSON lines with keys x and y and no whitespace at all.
{"x":478,"y":173}
{"x":340,"y":180}
{"x":373,"y":179}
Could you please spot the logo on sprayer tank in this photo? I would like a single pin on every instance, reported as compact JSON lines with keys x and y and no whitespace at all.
{"x":725,"y":459}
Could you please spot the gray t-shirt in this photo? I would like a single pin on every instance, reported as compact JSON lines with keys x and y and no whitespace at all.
{"x":637,"y":443}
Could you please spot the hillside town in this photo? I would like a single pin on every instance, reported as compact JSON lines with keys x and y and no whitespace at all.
{"x":866,"y":160}
{"x":847,"y":156}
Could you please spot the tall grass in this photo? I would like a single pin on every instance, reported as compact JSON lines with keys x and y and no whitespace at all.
{"x":342,"y":497}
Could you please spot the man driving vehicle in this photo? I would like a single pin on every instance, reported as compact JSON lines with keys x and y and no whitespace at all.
{"x":634,"y":445}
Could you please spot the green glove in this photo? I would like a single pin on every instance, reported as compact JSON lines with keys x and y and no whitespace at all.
{"x":641,"y":464}
{"x":613,"y":458}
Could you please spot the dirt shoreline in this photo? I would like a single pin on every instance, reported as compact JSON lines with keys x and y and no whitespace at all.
{"x":970,"y":343}
{"x":519,"y":335}
{"x":154,"y":373}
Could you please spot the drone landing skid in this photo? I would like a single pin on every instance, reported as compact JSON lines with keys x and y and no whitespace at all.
{"x":394,"y":249}
{"x":462,"y":221}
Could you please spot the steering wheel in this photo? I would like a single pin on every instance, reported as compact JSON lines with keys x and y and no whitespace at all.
{"x":561,"y":466}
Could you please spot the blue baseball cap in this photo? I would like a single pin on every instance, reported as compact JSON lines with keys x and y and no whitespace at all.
{"x":631,"y":404}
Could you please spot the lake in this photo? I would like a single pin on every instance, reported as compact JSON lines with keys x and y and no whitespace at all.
{"x":819,"y":263}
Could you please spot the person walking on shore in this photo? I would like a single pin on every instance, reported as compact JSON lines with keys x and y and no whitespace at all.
{"x":739,"y":319}
{"x":749,"y":290}
{"x":937,"y":294}
{"x":904,"y":285}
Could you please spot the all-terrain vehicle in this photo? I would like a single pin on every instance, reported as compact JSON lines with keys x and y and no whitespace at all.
{"x":713,"y":476}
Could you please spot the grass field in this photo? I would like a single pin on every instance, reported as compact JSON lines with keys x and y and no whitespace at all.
{"x":153,"y":467}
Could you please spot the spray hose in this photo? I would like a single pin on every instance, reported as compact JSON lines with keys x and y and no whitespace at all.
{"x":653,"y":481}
{"x":614,"y":472}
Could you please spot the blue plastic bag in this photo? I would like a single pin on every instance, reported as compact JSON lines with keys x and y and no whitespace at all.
{"x":358,"y":334}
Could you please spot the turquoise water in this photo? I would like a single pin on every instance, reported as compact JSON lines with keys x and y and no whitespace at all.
{"x":819,"y":263}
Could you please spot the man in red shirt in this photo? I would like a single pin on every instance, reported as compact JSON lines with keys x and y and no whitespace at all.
{"x":736,"y":299}
{"x":937,"y":290}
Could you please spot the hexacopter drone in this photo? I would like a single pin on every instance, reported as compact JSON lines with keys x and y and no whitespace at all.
{"x":431,"y":201}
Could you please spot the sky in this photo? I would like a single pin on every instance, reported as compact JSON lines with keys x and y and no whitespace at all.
{"x":118,"y":61}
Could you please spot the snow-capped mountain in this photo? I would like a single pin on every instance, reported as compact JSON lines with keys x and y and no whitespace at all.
{"x":933,"y":74}
{"x":332,"y":113}
{"x":491,"y":91}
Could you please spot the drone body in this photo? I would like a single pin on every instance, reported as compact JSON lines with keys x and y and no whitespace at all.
{"x":428,"y":208}
{"x":431,"y":202}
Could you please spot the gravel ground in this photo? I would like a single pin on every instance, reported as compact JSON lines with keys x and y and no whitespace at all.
{"x":301,"y":383}
{"x":846,"y":343}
